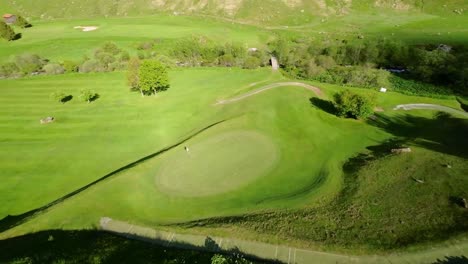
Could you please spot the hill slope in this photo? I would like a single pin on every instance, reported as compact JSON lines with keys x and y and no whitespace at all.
{"x":262,"y":11}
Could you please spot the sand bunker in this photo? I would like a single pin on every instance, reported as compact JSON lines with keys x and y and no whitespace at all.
{"x":86,"y":29}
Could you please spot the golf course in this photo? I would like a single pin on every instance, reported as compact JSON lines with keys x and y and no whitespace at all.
{"x":164,"y":135}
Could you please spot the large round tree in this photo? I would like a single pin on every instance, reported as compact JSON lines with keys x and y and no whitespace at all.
{"x":350,"y":104}
{"x":153,"y":77}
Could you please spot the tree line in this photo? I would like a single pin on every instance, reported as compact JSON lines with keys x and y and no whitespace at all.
{"x":435,"y":69}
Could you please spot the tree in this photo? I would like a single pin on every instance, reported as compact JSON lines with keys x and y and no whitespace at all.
{"x":70,"y":66}
{"x":22,"y":22}
{"x":7,"y":32}
{"x":349,"y":104}
{"x":88,"y":95}
{"x":153,"y":77}
{"x":29,"y":63}
{"x":252,"y":63}
{"x":60,"y":97}
{"x":132,"y":74}
{"x":9,"y":69}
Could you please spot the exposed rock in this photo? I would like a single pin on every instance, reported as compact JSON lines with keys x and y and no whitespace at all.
{"x":401,"y":150}
{"x":47,"y":120}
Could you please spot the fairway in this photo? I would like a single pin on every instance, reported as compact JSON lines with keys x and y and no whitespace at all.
{"x":173,"y":117}
{"x":220,"y":164}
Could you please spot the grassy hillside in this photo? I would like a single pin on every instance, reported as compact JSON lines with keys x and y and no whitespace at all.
{"x":82,"y":146}
{"x":264,"y":12}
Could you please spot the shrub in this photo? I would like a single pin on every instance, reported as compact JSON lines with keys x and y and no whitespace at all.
{"x":132,"y":73}
{"x":252,"y":63}
{"x":412,"y":87}
{"x":29,"y":63}
{"x":9,"y":69}
{"x":22,"y":22}
{"x":349,"y":104}
{"x":53,"y":69}
{"x":124,"y":56}
{"x":88,"y":95}
{"x":110,"y":47}
{"x":6,"y":32}
{"x":70,"y":66}
{"x":227,"y":60}
{"x":59,"y":97}
{"x":91,"y":66}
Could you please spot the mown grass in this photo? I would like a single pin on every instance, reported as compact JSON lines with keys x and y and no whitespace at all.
{"x":309,"y":171}
{"x":388,"y":202}
{"x":58,"y":40}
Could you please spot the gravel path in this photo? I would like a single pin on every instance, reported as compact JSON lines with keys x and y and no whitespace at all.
{"x":283,"y":253}
{"x":430,"y":107}
{"x":316,"y":90}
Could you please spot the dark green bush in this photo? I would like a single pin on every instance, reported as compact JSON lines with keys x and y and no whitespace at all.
{"x":349,"y":104}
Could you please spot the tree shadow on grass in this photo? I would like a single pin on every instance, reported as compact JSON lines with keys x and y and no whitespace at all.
{"x":66,"y":99}
{"x":17,"y":36}
{"x":90,"y":246}
{"x":452,"y":260}
{"x":323,"y":105}
{"x":94,"y":97}
{"x":443,"y":133}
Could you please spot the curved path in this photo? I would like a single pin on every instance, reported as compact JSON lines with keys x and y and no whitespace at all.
{"x":314,"y":89}
{"x":285,"y":254}
{"x":430,"y":107}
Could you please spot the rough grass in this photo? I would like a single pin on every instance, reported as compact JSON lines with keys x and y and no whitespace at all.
{"x":382,"y":205}
{"x":56,"y":246}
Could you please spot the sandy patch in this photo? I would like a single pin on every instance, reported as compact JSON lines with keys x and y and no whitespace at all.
{"x":86,"y":29}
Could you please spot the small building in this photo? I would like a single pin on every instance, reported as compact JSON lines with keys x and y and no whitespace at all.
{"x":9,"y":18}
{"x":383,"y":89}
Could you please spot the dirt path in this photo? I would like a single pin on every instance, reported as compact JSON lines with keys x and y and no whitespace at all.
{"x":282,"y":253}
{"x":430,"y":107}
{"x":316,"y":90}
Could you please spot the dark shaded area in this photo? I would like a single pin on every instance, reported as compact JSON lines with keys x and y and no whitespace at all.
{"x":67,"y":98}
{"x":57,"y":246}
{"x":94,"y":97}
{"x":452,"y":260}
{"x":323,"y":105}
{"x":457,"y":201}
{"x":463,"y":104}
{"x":444,"y":133}
{"x":17,"y":36}
{"x":210,"y":246}
{"x":12,"y":221}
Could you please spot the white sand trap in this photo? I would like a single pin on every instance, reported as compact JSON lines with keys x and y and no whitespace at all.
{"x":86,"y":29}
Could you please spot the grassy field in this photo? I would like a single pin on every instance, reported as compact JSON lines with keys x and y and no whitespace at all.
{"x":58,"y":40}
{"x":292,"y":172}
{"x":307,"y":171}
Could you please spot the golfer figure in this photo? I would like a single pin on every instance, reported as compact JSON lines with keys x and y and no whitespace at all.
{"x":187,"y":149}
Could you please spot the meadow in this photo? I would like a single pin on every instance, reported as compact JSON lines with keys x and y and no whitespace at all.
{"x":277,"y":166}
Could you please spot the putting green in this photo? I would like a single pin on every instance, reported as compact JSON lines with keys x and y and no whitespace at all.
{"x":223,"y":163}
